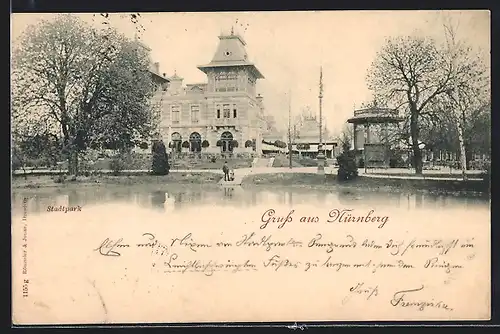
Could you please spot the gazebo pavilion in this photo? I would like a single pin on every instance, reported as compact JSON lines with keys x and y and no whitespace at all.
{"x":373,"y":128}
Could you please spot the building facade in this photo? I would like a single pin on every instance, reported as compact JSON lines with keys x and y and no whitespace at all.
{"x":160,"y":86}
{"x":305,"y":139}
{"x":222,"y":115}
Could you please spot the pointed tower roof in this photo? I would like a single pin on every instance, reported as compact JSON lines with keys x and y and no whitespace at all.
{"x":176,"y":77}
{"x":231,"y":52}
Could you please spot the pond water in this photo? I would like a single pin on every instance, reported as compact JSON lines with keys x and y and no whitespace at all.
{"x":185,"y":198}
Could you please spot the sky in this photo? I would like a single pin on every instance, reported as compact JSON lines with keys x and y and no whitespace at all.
{"x":288,"y":48}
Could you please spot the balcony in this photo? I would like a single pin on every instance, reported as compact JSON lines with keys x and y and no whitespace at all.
{"x":226,"y":121}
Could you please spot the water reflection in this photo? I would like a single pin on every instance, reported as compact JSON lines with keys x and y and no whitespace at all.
{"x":347,"y":196}
{"x":419,"y":200}
{"x":191,"y":197}
{"x":228,"y":192}
{"x":158,"y":199}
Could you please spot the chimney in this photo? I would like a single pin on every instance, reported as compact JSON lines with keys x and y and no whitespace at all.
{"x":156,"y":67}
{"x":259,"y":99}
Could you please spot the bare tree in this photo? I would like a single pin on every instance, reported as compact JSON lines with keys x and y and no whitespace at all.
{"x":469,"y":86}
{"x":478,"y":132}
{"x":429,"y":81}
{"x":346,"y":137}
{"x":410,"y":72}
{"x":90,"y":85}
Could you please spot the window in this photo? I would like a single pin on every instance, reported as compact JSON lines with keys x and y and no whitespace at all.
{"x":176,"y":142}
{"x":176,"y":114}
{"x":195,"y":114}
{"x":227,"y":139}
{"x":227,"y":110}
{"x":235,"y":112}
{"x":218,"y":111}
{"x":195,"y":142}
{"x":226,"y":82}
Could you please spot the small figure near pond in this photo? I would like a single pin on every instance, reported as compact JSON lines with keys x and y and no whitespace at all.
{"x":225,"y":170}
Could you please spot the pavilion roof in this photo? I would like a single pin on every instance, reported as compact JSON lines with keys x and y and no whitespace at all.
{"x":375,"y":115}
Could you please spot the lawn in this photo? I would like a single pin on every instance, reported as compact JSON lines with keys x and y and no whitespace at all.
{"x":234,"y":163}
{"x":43,"y":181}
{"x":283,"y":161}
{"x":472,"y":174}
{"x":329,"y":181}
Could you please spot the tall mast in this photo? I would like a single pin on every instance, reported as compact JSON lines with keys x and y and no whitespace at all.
{"x":290,"y":127}
{"x":320,"y":107}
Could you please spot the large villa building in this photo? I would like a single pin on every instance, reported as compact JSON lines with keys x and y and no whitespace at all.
{"x":222,"y":115}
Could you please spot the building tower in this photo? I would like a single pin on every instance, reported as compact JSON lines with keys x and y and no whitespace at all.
{"x":223,"y":115}
{"x":231,"y":96}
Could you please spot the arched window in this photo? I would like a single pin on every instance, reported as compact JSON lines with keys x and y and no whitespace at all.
{"x":226,"y":138}
{"x":195,"y":136}
{"x":195,"y":142}
{"x":176,"y":142}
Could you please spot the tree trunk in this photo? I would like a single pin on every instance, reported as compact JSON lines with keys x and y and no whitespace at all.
{"x":23,"y":166}
{"x":73,"y":163}
{"x":463,"y":158}
{"x":468,"y":155}
{"x":414,"y":131}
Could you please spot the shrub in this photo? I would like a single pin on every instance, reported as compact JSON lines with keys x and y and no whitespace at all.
{"x":205,"y":144}
{"x":117,"y":164}
{"x":248,"y":143}
{"x":61,"y":178}
{"x":185,"y":144}
{"x":308,"y":162}
{"x":347,"y":166}
{"x":160,"y":164}
{"x":486,"y":175}
{"x":280,"y":144}
{"x":16,"y":163}
{"x":143,"y":146}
